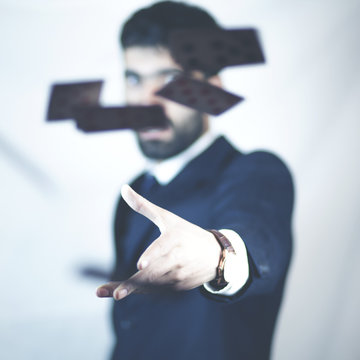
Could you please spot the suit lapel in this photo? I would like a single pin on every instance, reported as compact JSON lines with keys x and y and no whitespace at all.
{"x":199,"y":171}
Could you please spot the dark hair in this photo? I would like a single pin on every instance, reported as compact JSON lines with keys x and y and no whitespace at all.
{"x":151,"y":26}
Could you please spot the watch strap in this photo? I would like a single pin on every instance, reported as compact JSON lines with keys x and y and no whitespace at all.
{"x":219,"y":282}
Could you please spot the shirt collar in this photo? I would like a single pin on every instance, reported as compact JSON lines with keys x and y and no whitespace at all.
{"x":166,"y":170}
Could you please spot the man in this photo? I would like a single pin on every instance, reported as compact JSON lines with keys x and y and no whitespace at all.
{"x":182,"y":291}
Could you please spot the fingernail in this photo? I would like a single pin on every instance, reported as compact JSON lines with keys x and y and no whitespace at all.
{"x":102,"y":292}
{"x":143,"y":264}
{"x":121,"y":294}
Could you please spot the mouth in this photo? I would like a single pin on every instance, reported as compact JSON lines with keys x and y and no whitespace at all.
{"x":158,"y":134}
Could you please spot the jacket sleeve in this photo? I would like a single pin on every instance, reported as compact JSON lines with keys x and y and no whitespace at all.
{"x":254,"y":197}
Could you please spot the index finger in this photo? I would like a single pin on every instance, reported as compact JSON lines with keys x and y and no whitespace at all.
{"x":154,"y":213}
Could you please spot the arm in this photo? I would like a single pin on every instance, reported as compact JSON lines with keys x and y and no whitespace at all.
{"x":256,"y":200}
{"x":176,"y":261}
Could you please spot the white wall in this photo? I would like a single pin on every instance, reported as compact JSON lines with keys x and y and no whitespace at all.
{"x":58,"y":185}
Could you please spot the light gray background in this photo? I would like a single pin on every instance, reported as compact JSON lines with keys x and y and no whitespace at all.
{"x":58,"y":185}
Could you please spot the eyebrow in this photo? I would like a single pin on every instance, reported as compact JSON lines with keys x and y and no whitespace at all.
{"x":162,"y":72}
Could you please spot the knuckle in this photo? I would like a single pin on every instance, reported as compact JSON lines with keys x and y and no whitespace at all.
{"x":152,"y":277}
{"x":139,"y":207}
{"x":153,"y":251}
{"x":179,"y":275}
{"x":159,"y":247}
{"x":175,"y":255}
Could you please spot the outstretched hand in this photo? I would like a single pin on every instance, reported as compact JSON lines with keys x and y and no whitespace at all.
{"x":183,"y":257}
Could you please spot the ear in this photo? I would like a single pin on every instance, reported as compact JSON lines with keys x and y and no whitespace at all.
{"x":215,"y":80}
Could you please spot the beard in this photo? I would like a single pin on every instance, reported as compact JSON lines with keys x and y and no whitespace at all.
{"x":184,"y":135}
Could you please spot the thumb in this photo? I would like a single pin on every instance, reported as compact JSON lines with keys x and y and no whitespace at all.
{"x":154,"y":213}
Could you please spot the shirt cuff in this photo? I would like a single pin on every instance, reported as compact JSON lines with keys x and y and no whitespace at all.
{"x":238,"y":274}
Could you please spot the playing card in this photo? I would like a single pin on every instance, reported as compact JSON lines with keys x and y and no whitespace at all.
{"x":63,"y":98}
{"x":199,"y":95}
{"x":97,"y":118}
{"x":211,"y":50}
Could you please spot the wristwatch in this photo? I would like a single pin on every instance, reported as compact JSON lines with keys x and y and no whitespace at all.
{"x":228,"y":257}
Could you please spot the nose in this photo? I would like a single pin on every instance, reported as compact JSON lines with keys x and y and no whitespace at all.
{"x":148,"y":93}
{"x":144,"y":91}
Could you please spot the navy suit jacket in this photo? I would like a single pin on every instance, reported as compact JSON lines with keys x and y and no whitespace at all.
{"x":251,"y":194}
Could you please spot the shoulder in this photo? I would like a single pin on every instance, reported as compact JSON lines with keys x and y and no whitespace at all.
{"x":260,"y":167}
{"x":258,"y":161}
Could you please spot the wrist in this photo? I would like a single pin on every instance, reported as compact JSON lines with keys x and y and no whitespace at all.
{"x":216,"y":252}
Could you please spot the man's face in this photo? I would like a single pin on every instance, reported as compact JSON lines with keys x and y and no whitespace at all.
{"x":147,"y":70}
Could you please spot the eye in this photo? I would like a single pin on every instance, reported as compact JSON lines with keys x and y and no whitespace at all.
{"x":170,"y":76}
{"x":132,"y":79}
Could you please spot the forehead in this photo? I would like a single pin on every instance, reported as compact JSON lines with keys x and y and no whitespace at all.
{"x":148,"y":60}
